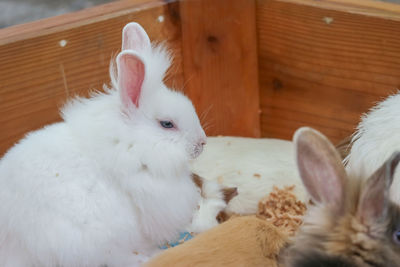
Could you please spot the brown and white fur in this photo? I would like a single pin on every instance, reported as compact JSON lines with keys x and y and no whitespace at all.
{"x":353,"y":222}
{"x":213,"y":202}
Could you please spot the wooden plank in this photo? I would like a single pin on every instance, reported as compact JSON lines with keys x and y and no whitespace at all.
{"x":220,"y":64}
{"x":363,"y":7}
{"x":68,"y":21}
{"x":322,"y":66}
{"x":44,"y":62}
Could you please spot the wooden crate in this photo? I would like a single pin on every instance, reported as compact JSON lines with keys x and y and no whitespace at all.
{"x":254,"y":67}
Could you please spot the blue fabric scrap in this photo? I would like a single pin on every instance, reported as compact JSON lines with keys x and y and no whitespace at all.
{"x":183,"y":237}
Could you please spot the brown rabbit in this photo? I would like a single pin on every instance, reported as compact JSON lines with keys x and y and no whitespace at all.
{"x":241,"y":241}
{"x":353,"y":222}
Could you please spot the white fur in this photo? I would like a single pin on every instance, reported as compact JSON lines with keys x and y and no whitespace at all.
{"x":377,"y":137}
{"x":104,"y":187}
{"x":252,"y":165}
{"x":211,"y":203}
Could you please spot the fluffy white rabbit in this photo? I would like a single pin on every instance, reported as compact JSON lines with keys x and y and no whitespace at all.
{"x":377,"y":137}
{"x":253,"y":166}
{"x":112,"y":181}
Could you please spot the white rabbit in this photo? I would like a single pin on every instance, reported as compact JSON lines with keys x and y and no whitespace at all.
{"x":377,"y":137}
{"x":253,"y":166}
{"x":112,"y":181}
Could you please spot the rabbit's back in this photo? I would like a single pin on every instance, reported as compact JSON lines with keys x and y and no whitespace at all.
{"x":377,"y":137}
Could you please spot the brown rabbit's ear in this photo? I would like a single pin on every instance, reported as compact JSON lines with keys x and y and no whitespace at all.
{"x":374,"y":197}
{"x":320,"y":167}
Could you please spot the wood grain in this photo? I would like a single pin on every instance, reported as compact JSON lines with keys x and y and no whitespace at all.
{"x":220,"y":64}
{"x":72,"y":20}
{"x":321,"y":63}
{"x":374,"y":8}
{"x":45,"y":62}
{"x":324,"y":67}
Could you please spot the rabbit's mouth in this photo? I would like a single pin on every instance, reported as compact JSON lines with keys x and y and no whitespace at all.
{"x":196,"y":151}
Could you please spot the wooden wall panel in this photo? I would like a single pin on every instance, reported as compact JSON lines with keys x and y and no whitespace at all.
{"x":44,"y":62}
{"x":324,"y":63}
{"x":47,"y":61}
{"x":220,"y":64}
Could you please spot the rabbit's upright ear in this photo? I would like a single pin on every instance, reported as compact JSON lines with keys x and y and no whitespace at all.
{"x":135,"y":38}
{"x":374,"y":197}
{"x":320,"y":167}
{"x":131,"y":72}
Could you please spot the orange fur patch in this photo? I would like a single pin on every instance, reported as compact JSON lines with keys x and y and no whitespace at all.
{"x":241,"y":241}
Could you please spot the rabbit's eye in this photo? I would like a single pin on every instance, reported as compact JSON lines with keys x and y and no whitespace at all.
{"x":167,"y":124}
{"x":396,"y":237}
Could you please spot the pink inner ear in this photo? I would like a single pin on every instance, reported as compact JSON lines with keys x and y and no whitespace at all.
{"x":131,"y":76}
{"x":320,"y":168}
{"x":134,"y":37}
